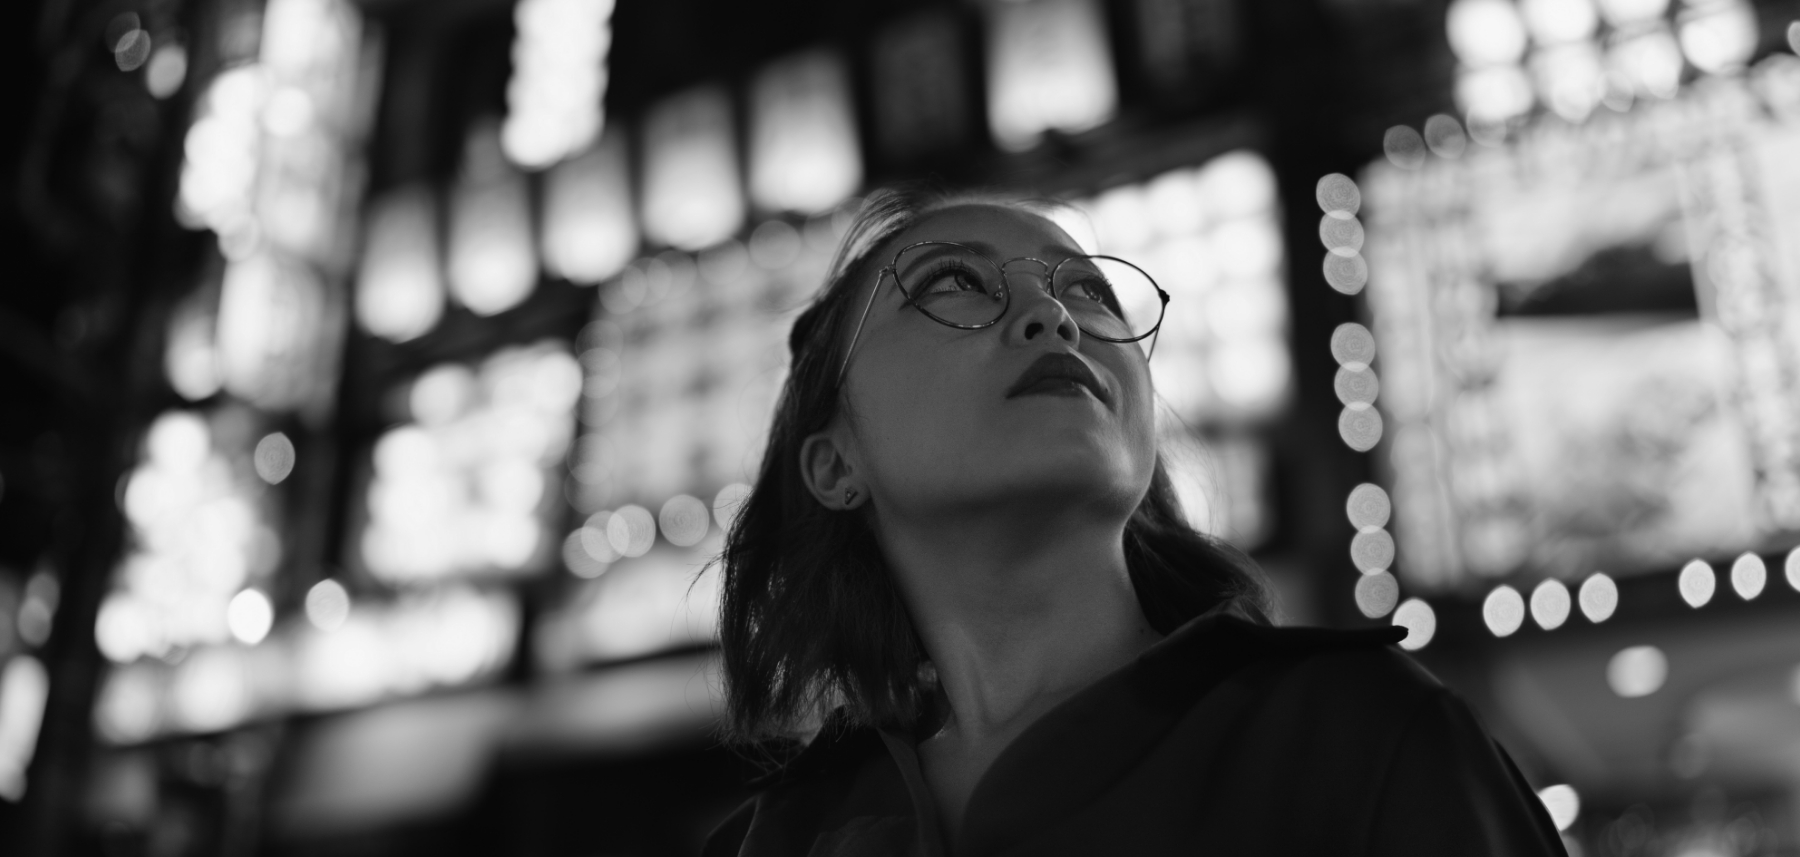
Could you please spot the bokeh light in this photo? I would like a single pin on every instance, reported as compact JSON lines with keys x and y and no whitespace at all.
{"x":1049,"y":69}
{"x":1748,"y":576}
{"x":1360,"y":427}
{"x":1444,"y":135}
{"x":692,"y":198}
{"x":1503,"y":610}
{"x":274,"y":457}
{"x":684,"y":520}
{"x":1368,"y":507}
{"x":1791,"y":569}
{"x":1404,"y":147}
{"x":1599,"y":597}
{"x":632,"y":531}
{"x":399,"y":288}
{"x":327,"y":605}
{"x":1372,"y":550}
{"x":1563,"y":804}
{"x":558,"y":79}
{"x":463,"y":490}
{"x":1550,"y":604}
{"x":24,"y":691}
{"x":1356,"y":386}
{"x":1697,"y":583}
{"x":1376,"y":594}
{"x":1637,"y":671}
{"x":1485,"y":32}
{"x":1346,"y":274}
{"x":167,"y":69}
{"x":804,"y":155}
{"x":1420,"y":622}
{"x":492,"y":264}
{"x":727,"y":503}
{"x":250,"y":616}
{"x":589,"y":230}
{"x":1338,"y":194}
{"x":1351,"y":343}
{"x":1553,"y":22}
{"x":1718,"y":36}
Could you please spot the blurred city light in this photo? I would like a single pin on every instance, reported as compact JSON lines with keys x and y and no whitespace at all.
{"x":167,"y":69}
{"x":1503,"y":610}
{"x":804,"y":155}
{"x":492,"y":264}
{"x":1376,"y":594}
{"x":1620,"y":13}
{"x":198,"y":536}
{"x":1049,"y":69}
{"x":1718,"y":36}
{"x":1485,"y":32}
{"x":24,"y":690}
{"x":1563,"y":804}
{"x":1211,"y":238}
{"x":684,"y":520}
{"x":274,"y":334}
{"x":1372,"y":550}
{"x":1556,"y":21}
{"x":589,"y":228}
{"x":274,"y":458}
{"x":1599,"y":597}
{"x":1444,"y":136}
{"x":1748,"y":576}
{"x":250,"y":616}
{"x":327,"y":605}
{"x":1368,"y":507}
{"x":631,"y":531}
{"x":1697,"y":583}
{"x":559,"y":79}
{"x":726,"y":503}
{"x":1338,"y":194}
{"x":400,"y":288}
{"x":1420,"y":622}
{"x":1405,"y":147}
{"x":692,"y":197}
{"x":191,"y":359}
{"x":465,"y":492}
{"x":1550,"y":604}
{"x":1791,"y":568}
{"x":1637,"y":671}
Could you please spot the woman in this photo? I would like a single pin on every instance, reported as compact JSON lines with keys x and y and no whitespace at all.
{"x":963,"y":564}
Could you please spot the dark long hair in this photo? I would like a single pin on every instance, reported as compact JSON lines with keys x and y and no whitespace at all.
{"x":811,"y":618}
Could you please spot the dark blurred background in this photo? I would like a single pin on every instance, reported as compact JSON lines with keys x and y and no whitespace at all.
{"x":376,"y":377}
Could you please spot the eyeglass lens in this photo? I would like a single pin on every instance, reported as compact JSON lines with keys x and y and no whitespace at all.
{"x":956,"y":285}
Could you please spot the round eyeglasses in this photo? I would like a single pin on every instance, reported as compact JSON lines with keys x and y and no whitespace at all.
{"x":1108,"y":298}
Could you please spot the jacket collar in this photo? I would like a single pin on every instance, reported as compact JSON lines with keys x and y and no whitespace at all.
{"x":1077,"y":749}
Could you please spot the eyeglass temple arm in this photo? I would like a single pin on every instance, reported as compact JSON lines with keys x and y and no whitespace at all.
{"x":860,"y":321}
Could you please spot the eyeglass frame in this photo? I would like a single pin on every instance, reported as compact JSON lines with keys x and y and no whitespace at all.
{"x":1006,"y":293}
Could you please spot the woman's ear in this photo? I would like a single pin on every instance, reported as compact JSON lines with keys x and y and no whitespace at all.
{"x":829,"y":473}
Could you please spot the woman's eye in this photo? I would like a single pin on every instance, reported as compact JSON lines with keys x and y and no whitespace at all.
{"x":1087,"y":290}
{"x":951,"y":281}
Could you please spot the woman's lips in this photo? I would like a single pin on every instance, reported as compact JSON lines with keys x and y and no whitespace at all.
{"x":1060,"y":374}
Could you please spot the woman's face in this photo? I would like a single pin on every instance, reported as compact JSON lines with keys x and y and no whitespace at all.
{"x":947,"y":421}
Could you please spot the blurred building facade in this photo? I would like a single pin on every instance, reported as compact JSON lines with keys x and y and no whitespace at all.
{"x":407,"y":361}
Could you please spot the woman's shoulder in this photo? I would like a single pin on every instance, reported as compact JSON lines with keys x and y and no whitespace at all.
{"x":1326,"y":670}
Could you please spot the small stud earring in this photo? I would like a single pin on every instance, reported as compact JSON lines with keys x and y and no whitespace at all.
{"x":849,"y":496}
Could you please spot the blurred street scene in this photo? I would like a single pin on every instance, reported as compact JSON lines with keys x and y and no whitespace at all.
{"x":377,"y":378}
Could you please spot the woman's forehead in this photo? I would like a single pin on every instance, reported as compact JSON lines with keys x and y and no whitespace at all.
{"x":1002,"y":231}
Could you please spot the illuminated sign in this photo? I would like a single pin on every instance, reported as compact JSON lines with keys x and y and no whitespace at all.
{"x":1587,"y":351}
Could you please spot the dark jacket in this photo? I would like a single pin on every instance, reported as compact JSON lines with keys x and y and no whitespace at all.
{"x":1228,"y":737}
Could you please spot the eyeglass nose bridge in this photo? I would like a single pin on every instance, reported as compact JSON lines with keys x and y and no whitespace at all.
{"x":1047,"y":271}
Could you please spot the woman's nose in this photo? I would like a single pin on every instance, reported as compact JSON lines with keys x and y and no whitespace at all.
{"x":1035,"y":312}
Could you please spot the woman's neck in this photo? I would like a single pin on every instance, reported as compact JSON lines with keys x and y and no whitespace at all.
{"x":1017,"y":619}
